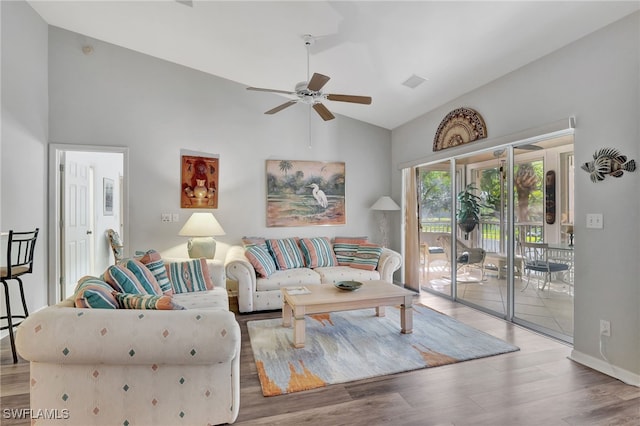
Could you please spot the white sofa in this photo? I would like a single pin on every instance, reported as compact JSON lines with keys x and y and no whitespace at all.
{"x":260,"y":294}
{"x":136,"y":367}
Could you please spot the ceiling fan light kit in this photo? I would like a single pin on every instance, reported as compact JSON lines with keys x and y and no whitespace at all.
{"x":310,"y":92}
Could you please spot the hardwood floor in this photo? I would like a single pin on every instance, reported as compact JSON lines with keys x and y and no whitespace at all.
{"x":537,"y":385}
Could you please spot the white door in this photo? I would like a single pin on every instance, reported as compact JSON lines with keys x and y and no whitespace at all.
{"x":76,"y":224}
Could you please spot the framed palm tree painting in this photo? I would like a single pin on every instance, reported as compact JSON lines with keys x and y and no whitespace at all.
{"x":305,"y":193}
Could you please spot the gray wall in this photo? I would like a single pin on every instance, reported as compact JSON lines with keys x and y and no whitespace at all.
{"x":119,"y":97}
{"x":116,"y":96}
{"x":595,"y":79}
{"x":24,"y":138}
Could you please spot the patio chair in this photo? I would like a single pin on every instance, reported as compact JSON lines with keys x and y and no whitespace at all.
{"x":430,"y":250}
{"x":465,"y":256}
{"x":536,"y":260}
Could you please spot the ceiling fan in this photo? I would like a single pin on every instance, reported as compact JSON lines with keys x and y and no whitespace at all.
{"x":310,"y":92}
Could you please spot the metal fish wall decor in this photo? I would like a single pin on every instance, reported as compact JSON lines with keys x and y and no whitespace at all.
{"x":608,"y":161}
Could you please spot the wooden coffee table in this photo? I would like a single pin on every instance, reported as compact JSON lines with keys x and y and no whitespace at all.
{"x":327,"y":298}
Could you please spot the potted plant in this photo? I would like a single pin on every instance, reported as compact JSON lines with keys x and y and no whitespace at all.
{"x":468,"y":214}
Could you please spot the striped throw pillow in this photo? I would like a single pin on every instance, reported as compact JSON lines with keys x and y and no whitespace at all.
{"x":144,"y":276}
{"x":286,"y":253}
{"x":189,"y":276}
{"x":254,"y":241}
{"x":261,"y":260}
{"x":153,"y":261}
{"x":123,"y":280}
{"x":92,"y":292}
{"x":346,"y":247}
{"x":145,"y":301}
{"x":366,"y":257}
{"x":318,"y":252}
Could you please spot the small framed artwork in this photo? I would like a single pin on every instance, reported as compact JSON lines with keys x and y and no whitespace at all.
{"x":305,"y":193}
{"x":199,"y":181}
{"x":550,"y":197}
{"x":107,"y":197}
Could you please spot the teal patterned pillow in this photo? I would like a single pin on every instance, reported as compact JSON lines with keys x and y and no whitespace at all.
{"x":92,"y":292}
{"x":366,"y":257}
{"x":143,"y":275}
{"x":189,"y":276}
{"x":318,"y":252}
{"x":261,"y":260}
{"x":346,"y":247}
{"x":286,"y":253}
{"x":145,"y":301}
{"x":123,"y":280}
{"x":153,"y":261}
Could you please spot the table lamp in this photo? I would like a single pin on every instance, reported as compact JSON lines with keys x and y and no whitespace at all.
{"x":384,"y":204}
{"x":201,"y":227}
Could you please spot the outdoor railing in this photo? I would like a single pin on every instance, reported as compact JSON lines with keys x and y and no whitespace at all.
{"x":488,"y":233}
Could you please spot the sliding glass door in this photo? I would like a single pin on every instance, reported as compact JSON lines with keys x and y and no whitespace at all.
{"x":525,"y":195}
{"x":434,"y":212}
{"x":543,"y":200}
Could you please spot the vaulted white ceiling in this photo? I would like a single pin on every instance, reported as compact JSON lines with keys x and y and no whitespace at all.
{"x":367,"y":48}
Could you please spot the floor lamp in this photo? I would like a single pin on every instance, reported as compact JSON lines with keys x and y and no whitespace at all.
{"x":383,"y":205}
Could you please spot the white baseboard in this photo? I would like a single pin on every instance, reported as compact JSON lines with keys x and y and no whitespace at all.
{"x":602,"y":366}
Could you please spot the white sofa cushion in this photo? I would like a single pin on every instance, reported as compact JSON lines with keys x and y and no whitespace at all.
{"x":289,"y":277}
{"x":345,"y":273}
{"x":205,"y":300}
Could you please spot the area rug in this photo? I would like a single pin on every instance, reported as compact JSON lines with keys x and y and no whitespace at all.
{"x":353,"y":345}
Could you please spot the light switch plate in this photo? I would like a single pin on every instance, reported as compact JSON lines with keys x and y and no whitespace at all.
{"x":594,"y":221}
{"x":166,"y":217}
{"x":175,"y":217}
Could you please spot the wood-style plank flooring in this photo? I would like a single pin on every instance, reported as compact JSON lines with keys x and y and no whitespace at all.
{"x":537,"y":385}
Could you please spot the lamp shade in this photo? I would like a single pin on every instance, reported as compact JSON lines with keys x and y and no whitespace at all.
{"x":385,"y":203}
{"x":201,"y":225}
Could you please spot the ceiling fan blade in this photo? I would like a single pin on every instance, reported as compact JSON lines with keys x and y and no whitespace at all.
{"x":317,"y":82}
{"x":350,"y":98}
{"x":281,"y":107}
{"x":323,"y":112}
{"x":259,"y":89}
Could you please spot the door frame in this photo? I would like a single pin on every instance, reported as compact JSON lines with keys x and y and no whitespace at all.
{"x":55,"y":208}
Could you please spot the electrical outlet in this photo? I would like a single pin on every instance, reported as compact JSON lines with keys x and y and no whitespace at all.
{"x":166,"y":217}
{"x":605,"y":328}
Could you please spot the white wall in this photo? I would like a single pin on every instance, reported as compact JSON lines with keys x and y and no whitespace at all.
{"x":595,"y":79}
{"x":24,"y":138}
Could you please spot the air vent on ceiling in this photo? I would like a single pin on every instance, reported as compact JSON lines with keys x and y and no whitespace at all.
{"x":414,"y":81}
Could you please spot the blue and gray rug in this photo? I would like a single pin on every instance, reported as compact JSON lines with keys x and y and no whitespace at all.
{"x":353,"y":345}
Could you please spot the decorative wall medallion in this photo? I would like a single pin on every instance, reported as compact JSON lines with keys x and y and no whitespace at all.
{"x":608,"y":161}
{"x":460,"y":126}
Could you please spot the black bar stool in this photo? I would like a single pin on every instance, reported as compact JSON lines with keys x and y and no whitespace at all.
{"x":20,"y":247}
